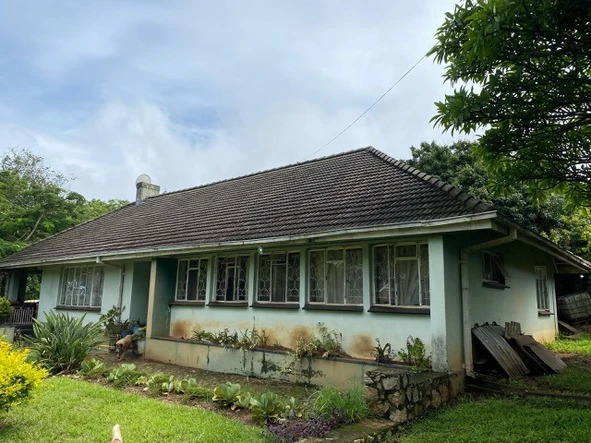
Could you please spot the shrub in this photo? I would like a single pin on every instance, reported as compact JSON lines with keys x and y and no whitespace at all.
{"x":268,"y":407}
{"x":62,"y":342}
{"x":414,"y":354}
{"x":124,"y":375}
{"x":93,"y":368}
{"x":191,"y":389}
{"x":18,"y":377}
{"x":350,"y":404}
{"x":227,"y":394}
{"x":155,"y":383}
{"x":5,"y":309}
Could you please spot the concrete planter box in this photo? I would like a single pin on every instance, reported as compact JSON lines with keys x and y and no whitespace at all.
{"x":260,"y":363}
{"x":7,"y":332}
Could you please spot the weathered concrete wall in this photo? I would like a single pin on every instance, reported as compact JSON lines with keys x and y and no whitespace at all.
{"x":403,"y":395}
{"x":260,"y":363}
{"x":518,"y":302}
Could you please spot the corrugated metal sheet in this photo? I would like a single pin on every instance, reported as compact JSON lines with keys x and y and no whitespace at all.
{"x":543,"y":356}
{"x":492,"y":338}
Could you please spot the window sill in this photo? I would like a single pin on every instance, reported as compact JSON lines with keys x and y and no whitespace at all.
{"x":228,"y":304}
{"x":78,"y":308}
{"x":275,"y":305}
{"x":321,"y":307}
{"x":402,"y":309}
{"x":187,"y":303}
{"x":494,"y":285}
{"x":543,"y":313}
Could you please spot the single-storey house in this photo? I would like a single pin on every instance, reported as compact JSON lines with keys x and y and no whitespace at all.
{"x":363,"y":243}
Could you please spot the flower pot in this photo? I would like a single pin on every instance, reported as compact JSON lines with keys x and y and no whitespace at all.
{"x":7,"y":332}
{"x":140,"y":346}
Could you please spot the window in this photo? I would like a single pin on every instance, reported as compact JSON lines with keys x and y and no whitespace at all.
{"x":542,"y":288}
{"x":192,"y":280}
{"x":336,"y":276}
{"x":401,"y":274}
{"x":82,"y":286}
{"x":279,"y":277}
{"x":232,"y":279}
{"x":494,"y":269}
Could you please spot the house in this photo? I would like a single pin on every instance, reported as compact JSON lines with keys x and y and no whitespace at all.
{"x":367,"y":245}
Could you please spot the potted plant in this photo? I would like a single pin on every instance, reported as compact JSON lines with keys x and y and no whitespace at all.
{"x":5,"y":313}
{"x":113,"y":324}
{"x":139,"y":341}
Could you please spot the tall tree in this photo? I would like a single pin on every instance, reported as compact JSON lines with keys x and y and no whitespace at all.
{"x":528,"y":67}
{"x":458,"y":165}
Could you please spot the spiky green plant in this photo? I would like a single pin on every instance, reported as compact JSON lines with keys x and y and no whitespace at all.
{"x":61,"y":343}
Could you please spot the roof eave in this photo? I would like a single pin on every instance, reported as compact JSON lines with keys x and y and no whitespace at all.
{"x":478,"y":221}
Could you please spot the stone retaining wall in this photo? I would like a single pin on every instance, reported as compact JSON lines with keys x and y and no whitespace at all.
{"x":401,"y":395}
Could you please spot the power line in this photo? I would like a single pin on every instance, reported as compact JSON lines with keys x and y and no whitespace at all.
{"x":368,"y":109}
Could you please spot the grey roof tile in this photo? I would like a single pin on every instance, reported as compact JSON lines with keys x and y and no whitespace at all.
{"x":355,"y":189}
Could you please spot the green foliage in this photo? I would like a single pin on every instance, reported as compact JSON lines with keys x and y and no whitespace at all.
{"x":62,"y":343}
{"x":529,"y":64}
{"x":414,"y":354}
{"x":326,"y":344}
{"x":579,"y":344}
{"x":5,"y":309}
{"x":18,"y":377}
{"x":383,"y":354}
{"x":34,"y":203}
{"x":93,"y":368}
{"x":124,"y":375}
{"x":156,"y":383}
{"x":227,"y":394}
{"x":267,"y":407}
{"x":349,"y":404}
{"x":244,"y":401}
{"x":247,"y":339}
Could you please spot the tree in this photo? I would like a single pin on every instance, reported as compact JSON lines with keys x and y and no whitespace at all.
{"x":529,"y":64}
{"x":458,"y":165}
{"x":34,"y":203}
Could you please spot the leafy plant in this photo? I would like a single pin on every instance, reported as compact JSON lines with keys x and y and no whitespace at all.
{"x":268,"y":407}
{"x":243,"y":401}
{"x":62,"y":343}
{"x":124,"y":375}
{"x":5,"y":309}
{"x":156,"y":381}
{"x":227,"y":393}
{"x":92,"y":368}
{"x":293,"y":409}
{"x":191,"y":389}
{"x":349,"y":404}
{"x":18,"y":377}
{"x":414,"y":354}
{"x":329,"y":343}
{"x":383,"y":354}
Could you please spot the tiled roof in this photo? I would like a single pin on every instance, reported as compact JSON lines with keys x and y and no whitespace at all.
{"x":355,"y":189}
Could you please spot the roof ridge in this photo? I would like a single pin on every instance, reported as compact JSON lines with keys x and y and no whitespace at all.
{"x":455,"y":192}
{"x":264,"y":171}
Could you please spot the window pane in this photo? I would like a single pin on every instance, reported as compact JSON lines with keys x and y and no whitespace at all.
{"x":83,"y":287}
{"x":542,"y":288}
{"x":181,"y":286}
{"x":425,"y":291}
{"x":192,"y":284}
{"x":335,"y":282}
{"x":279,"y":282}
{"x":381,"y":275}
{"x":264,"y":275}
{"x":354,"y":277}
{"x":407,"y":279}
{"x":406,"y":251}
{"x":334,"y":255}
{"x":242,"y":276}
{"x":202,"y":284}
{"x":293,"y":279}
{"x":317,"y":277}
{"x":222,"y":280}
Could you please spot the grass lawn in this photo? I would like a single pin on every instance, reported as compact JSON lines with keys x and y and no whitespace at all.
{"x":507,"y":420}
{"x":67,"y":410}
{"x":579,"y":344}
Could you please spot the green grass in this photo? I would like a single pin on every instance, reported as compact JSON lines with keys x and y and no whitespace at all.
{"x":69,"y":410}
{"x":581,"y":345}
{"x":507,"y":420}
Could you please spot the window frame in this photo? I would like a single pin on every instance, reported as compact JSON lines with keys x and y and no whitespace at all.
{"x":495,"y":260}
{"x":62,"y":296}
{"x":391,"y":253}
{"x":541,"y":309}
{"x":257,"y":299}
{"x":312,"y":304}
{"x":215,"y":300}
{"x":197,"y":300}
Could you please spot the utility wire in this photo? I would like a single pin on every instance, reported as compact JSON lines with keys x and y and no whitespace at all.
{"x":368,"y":109}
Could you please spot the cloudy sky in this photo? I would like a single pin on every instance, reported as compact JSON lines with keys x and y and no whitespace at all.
{"x":193,"y":92}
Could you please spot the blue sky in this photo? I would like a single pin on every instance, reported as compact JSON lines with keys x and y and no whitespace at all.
{"x":193,"y":92}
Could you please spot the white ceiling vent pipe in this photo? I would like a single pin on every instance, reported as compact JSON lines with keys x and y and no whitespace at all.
{"x":145,"y":188}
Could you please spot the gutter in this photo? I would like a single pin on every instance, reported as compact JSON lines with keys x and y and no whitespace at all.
{"x":452,"y":224}
{"x":121,"y":282}
{"x":465,"y":279}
